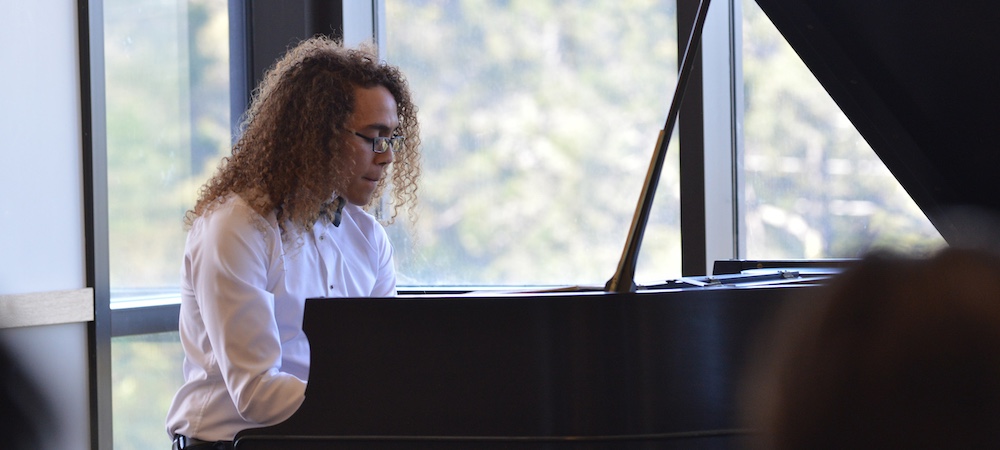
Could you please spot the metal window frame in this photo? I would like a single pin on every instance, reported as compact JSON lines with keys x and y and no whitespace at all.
{"x":90,"y":19}
{"x":710,"y":137}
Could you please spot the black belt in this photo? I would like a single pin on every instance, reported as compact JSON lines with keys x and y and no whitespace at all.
{"x":182,"y":442}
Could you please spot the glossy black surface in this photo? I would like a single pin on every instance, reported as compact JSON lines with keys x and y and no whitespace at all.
{"x":660,"y":364}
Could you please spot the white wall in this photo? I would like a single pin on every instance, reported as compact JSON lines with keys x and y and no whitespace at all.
{"x":41,"y":196}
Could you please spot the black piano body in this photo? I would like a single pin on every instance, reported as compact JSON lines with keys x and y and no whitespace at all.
{"x":656,"y":369}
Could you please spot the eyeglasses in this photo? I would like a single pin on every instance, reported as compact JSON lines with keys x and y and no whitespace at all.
{"x":380,"y":143}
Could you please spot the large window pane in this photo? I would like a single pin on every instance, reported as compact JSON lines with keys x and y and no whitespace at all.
{"x":538,"y":122}
{"x":147,"y":373}
{"x":813,"y":187}
{"x":167,"y":85}
{"x":167,"y":70}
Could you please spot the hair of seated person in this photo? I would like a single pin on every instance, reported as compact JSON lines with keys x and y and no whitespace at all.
{"x":25,"y":414}
{"x":898,"y":352}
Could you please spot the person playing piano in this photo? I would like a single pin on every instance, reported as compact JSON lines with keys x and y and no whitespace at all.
{"x":284,"y":219}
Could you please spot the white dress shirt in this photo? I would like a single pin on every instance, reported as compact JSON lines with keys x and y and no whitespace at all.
{"x":243,"y":293}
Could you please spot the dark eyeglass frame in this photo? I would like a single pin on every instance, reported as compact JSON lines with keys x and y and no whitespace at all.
{"x":382,"y":143}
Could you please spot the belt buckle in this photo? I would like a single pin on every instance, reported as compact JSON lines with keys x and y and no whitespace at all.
{"x":180,"y":442}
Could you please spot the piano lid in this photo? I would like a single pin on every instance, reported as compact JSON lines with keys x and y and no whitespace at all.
{"x":919,"y":81}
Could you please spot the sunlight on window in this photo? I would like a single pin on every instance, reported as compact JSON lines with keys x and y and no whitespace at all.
{"x":813,"y":187}
{"x":167,"y":69}
{"x":538,"y":121}
{"x":167,"y":87}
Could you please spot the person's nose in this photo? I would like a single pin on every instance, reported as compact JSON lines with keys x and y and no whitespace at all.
{"x":384,"y":158}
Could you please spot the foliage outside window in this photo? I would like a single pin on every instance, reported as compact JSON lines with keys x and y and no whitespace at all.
{"x":538,"y":122}
{"x":813,"y":188}
{"x":167,"y":97}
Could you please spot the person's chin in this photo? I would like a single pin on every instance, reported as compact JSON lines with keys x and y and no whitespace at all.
{"x":359,"y":199}
{"x":362,"y":192}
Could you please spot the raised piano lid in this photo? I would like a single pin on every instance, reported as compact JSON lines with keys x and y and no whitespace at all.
{"x":919,"y":81}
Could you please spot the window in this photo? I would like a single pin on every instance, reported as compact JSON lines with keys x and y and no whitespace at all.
{"x":167,"y":70}
{"x":166,"y":65}
{"x":146,"y":374}
{"x":538,"y":121}
{"x":813,"y":188}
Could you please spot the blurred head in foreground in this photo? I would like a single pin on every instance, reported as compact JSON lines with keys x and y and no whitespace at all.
{"x":26,"y":417}
{"x":899,"y":353}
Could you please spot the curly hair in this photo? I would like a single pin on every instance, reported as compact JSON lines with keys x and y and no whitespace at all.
{"x":290,"y":158}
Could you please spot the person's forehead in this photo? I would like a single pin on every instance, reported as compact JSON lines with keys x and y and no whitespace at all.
{"x":375,"y":106}
{"x":375,"y":96}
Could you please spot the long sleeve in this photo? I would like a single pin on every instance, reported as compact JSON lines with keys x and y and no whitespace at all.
{"x":243,"y":293}
{"x":229,"y":273}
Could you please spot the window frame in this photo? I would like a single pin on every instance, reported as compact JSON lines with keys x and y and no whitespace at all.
{"x":710,"y":137}
{"x":90,"y":19}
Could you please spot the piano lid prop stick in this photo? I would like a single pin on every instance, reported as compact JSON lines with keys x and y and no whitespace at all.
{"x":623,"y":280}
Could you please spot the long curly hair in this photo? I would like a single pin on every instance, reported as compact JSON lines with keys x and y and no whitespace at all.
{"x":290,"y":156}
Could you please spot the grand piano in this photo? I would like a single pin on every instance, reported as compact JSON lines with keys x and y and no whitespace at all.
{"x":656,"y":367}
